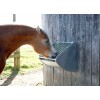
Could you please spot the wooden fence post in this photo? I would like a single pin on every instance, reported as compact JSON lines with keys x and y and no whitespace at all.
{"x":17,"y":52}
{"x":17,"y":59}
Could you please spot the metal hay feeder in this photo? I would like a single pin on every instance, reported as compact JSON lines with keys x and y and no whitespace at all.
{"x":66,"y":58}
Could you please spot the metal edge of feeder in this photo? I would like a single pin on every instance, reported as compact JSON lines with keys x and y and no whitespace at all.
{"x":68,"y":59}
{"x":48,"y":61}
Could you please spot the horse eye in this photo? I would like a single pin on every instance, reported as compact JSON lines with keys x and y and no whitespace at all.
{"x":47,"y":41}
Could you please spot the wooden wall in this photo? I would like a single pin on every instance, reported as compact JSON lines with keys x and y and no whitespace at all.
{"x":83,"y":29}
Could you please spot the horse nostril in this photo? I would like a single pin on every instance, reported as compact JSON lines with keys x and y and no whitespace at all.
{"x":55,"y":55}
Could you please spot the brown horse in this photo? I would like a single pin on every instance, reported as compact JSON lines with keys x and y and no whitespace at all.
{"x":14,"y":36}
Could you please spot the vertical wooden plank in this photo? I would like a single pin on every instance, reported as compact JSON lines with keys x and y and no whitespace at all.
{"x":56,"y":32}
{"x":67,"y":78}
{"x":57,"y":29}
{"x":76,"y":22}
{"x":44,"y":75}
{"x":67,"y":20}
{"x":54,"y":36}
{"x":88,"y":52}
{"x":78,"y":78}
{"x":62,"y":27}
{"x":99,"y":45}
{"x":47,"y":75}
{"x":95,"y":51}
{"x":72,"y":28}
{"x":58,"y":76}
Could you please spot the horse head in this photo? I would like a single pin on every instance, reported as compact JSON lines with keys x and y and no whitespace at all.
{"x":42,"y":44}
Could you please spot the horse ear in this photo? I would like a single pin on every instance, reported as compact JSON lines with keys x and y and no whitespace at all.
{"x":38,"y":29}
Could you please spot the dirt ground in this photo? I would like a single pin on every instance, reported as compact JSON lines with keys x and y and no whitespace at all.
{"x":33,"y":78}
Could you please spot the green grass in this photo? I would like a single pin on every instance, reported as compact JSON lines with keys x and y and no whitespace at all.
{"x":29,"y":61}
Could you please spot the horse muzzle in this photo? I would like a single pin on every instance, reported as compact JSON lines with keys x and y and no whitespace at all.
{"x":53,"y":55}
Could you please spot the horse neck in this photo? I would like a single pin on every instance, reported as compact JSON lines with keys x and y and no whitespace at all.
{"x":17,"y":39}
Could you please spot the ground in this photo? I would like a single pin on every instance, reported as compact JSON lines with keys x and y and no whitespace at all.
{"x":32,"y":78}
{"x":30,"y":73}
